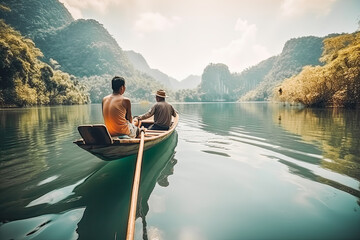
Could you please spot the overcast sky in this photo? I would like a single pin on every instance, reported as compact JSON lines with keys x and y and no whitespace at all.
{"x":181,"y":37}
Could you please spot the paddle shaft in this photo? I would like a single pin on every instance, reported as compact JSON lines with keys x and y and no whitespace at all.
{"x":135,"y":191}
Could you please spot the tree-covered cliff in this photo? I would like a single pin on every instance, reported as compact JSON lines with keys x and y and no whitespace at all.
{"x":296,"y":54}
{"x":337,"y":83}
{"x":217,"y":84}
{"x":26,"y":81}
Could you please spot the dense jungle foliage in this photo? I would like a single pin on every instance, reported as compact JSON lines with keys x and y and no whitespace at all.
{"x":26,"y":81}
{"x":337,"y":83}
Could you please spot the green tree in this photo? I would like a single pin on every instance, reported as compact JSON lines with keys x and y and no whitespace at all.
{"x":25,"y":80}
{"x":337,"y":83}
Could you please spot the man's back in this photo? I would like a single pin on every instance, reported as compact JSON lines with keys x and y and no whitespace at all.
{"x":114,"y":114}
{"x":162,"y":113}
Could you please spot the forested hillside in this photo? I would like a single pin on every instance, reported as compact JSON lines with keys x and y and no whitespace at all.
{"x":250,"y":78}
{"x":34,"y":17}
{"x":82,"y":48}
{"x":337,"y":83}
{"x":296,"y":54}
{"x":26,"y":81}
{"x":85,"y":48}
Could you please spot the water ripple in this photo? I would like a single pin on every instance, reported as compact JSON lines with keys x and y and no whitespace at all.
{"x":286,"y":149}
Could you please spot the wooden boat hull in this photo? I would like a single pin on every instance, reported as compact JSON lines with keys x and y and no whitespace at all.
{"x":119,"y":148}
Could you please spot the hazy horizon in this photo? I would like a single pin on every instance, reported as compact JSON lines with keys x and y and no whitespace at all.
{"x":182,"y":38}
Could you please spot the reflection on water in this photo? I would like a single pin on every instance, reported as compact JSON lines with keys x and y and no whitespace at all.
{"x":107,"y":192}
{"x":44,"y":227}
{"x":335,"y":131}
{"x":235,"y":168}
{"x":325,"y":138}
{"x":32,"y":136}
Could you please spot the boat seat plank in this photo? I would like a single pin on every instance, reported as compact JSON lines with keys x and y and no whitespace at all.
{"x":150,"y":135}
{"x":155,"y":131}
{"x":96,"y":134}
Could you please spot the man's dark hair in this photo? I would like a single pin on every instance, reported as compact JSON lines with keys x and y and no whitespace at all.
{"x":117,"y":83}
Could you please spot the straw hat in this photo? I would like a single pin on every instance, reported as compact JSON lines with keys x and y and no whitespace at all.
{"x":161,"y":93}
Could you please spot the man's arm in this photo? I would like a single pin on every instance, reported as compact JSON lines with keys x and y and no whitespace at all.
{"x":102,"y":105}
{"x":127,"y":105}
{"x":148,"y":114}
{"x":174,"y":112}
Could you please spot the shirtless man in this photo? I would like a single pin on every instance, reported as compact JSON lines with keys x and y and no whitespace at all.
{"x":116,"y":111}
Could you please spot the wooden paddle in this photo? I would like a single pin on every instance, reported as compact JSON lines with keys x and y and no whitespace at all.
{"x":135,"y":189}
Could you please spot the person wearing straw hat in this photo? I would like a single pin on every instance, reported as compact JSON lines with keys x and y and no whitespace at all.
{"x":162,"y":112}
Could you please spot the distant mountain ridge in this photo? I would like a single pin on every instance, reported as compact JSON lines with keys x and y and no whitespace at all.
{"x":192,"y":81}
{"x":141,"y":64}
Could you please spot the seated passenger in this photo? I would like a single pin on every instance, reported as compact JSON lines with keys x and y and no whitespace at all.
{"x":116,"y":111}
{"x":162,"y":112}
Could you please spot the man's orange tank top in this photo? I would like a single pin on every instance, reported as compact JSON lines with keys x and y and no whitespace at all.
{"x":114,"y":115}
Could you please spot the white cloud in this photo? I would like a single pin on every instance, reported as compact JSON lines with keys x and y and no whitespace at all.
{"x":244,"y":27}
{"x":295,"y":8}
{"x":243,"y":51}
{"x":154,"y":22}
{"x":75,"y":7}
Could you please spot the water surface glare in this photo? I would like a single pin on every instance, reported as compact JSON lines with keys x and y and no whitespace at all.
{"x":231,"y":171}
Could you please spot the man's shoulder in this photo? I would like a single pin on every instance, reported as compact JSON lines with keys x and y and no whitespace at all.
{"x":163,"y":104}
{"x":106,"y":97}
{"x":125,"y":99}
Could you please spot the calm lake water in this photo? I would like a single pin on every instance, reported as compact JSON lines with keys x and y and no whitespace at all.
{"x":231,"y":171}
